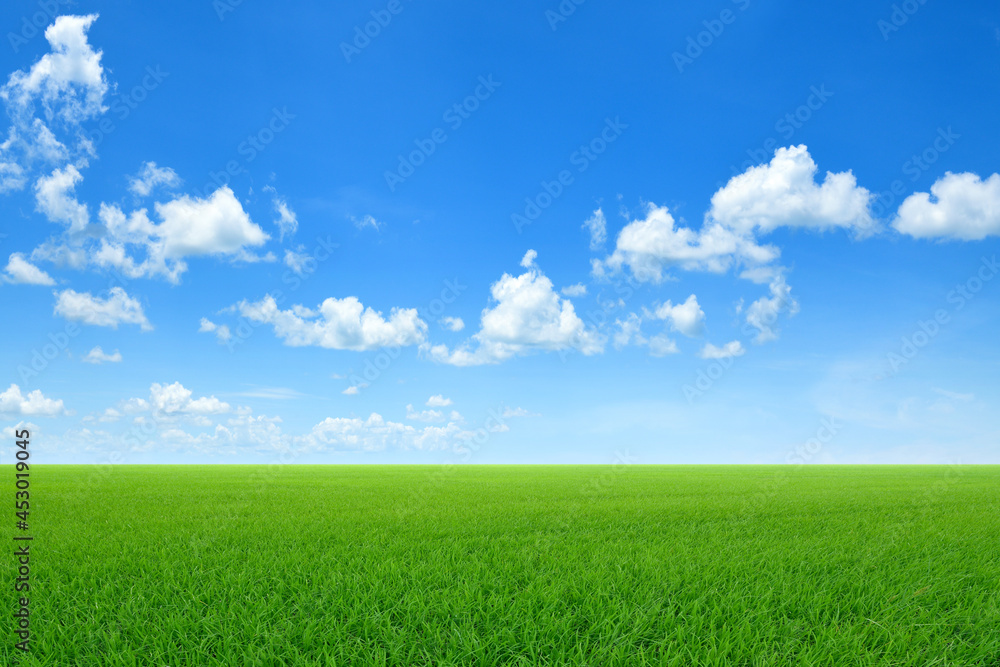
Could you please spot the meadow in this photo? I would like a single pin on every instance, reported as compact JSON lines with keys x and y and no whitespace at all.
{"x":511,"y":565}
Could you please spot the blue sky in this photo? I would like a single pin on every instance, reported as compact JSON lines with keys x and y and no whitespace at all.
{"x":404,"y":232}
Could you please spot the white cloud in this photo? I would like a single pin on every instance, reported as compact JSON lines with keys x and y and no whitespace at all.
{"x":339,"y":324}
{"x":529,"y":258}
{"x":53,"y":197}
{"x":784,"y":193}
{"x":98,"y":356}
{"x":12,"y":402}
{"x":729,"y":350}
{"x":367,"y":221}
{"x":654,"y":244}
{"x":221,"y":332}
{"x":118,"y":308}
{"x":287,"y":221}
{"x":353,"y":390}
{"x":528,"y":316}
{"x":597,"y":225}
{"x":964,"y":207}
{"x":69,"y":81}
{"x":660,"y":346}
{"x":151,"y":177}
{"x":425,"y":415}
{"x":688,"y":318}
{"x":175,"y":399}
{"x":629,"y":331}
{"x":438,"y":401}
{"x":216,"y":225}
{"x":190,"y":227}
{"x":297,"y":261}
{"x":763,"y":313}
{"x":21,"y":272}
{"x":453,"y":323}
{"x":574,"y":290}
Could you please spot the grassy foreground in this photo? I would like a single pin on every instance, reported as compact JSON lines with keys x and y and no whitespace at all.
{"x":508,"y":565}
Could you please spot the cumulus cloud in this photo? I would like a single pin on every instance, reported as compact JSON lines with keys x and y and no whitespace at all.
{"x":574,"y":290}
{"x":785,"y":193}
{"x":438,"y":401}
{"x":339,"y":324}
{"x":69,"y":81}
{"x":661,"y":345}
{"x":216,"y":225}
{"x":98,"y":356}
{"x":731,"y":349}
{"x":22,"y":272}
{"x":222,"y":333}
{"x":650,"y":246}
{"x":64,"y":87}
{"x":529,"y":258}
{"x":175,"y":399}
{"x":353,"y":390}
{"x":453,"y":323}
{"x":118,"y":308}
{"x":151,"y":177}
{"x":528,"y":316}
{"x":959,"y":206}
{"x":13,"y":402}
{"x":763,"y":313}
{"x":189,"y":227}
{"x":54,"y":198}
{"x":688,"y":318}
{"x":424,"y":415}
{"x":597,"y":225}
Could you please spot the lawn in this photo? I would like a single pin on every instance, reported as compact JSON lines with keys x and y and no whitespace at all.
{"x":511,"y":565}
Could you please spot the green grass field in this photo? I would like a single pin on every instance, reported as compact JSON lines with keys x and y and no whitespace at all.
{"x":508,"y":565}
